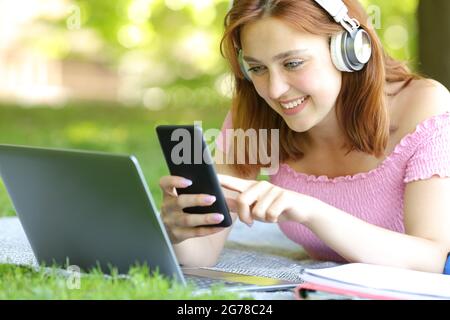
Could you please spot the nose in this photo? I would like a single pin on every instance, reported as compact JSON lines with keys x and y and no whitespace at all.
{"x":278,"y":85}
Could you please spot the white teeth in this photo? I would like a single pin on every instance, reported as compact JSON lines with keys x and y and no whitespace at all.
{"x":293,"y":104}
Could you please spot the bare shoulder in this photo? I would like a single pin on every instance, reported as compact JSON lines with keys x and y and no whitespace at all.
{"x":420,"y":100}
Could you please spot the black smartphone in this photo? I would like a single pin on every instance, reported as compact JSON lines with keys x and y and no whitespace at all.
{"x":187,"y":155}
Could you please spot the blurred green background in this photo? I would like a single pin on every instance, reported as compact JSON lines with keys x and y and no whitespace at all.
{"x":101,"y":74}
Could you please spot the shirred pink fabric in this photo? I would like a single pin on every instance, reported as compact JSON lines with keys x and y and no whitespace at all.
{"x":375,"y":196}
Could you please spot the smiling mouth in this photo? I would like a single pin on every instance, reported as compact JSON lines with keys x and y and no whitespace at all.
{"x":294,"y":103}
{"x":294,"y":107}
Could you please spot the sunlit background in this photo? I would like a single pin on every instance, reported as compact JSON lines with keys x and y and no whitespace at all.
{"x":138,"y":52}
{"x":101,"y":74}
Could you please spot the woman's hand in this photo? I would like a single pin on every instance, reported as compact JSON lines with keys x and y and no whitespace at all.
{"x":180,"y":225}
{"x":263,"y":201}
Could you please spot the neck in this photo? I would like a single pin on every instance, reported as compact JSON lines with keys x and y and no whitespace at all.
{"x":325,"y":136}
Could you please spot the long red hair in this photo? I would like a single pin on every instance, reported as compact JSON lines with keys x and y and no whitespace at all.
{"x":360,"y":106}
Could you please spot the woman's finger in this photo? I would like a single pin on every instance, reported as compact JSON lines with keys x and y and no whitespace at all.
{"x":234,"y":183}
{"x":195,"y":220}
{"x":247,"y":198}
{"x":169,"y":183}
{"x":276,"y":208}
{"x":259,"y":211}
{"x":195,"y":200}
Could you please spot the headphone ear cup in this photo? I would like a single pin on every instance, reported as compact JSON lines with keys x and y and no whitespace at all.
{"x":358,"y":49}
{"x":337,"y":52}
{"x":243,"y":66}
{"x":350,"y":51}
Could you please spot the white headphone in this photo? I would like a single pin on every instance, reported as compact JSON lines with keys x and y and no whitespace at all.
{"x":350,"y":49}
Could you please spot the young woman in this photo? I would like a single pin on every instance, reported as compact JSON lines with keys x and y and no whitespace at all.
{"x":364,"y":144}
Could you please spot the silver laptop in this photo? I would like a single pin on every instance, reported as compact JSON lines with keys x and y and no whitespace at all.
{"x":94,"y":209}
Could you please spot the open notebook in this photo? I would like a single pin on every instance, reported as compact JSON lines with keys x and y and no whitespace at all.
{"x":375,"y":282}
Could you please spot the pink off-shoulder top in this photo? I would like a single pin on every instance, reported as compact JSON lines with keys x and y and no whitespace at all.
{"x":375,"y":196}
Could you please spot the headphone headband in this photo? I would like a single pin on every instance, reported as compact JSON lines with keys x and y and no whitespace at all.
{"x":336,"y":9}
{"x":339,"y":11}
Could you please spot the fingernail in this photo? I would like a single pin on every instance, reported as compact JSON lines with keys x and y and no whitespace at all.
{"x":218,"y":217}
{"x":187,"y":182}
{"x":249,"y":224}
{"x":209,"y":199}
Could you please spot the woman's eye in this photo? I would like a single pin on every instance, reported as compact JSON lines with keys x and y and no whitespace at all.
{"x":294,"y":64}
{"x":256,"y":69}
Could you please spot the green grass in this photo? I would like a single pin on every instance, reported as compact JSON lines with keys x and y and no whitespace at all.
{"x":21,"y":283}
{"x":102,"y":128}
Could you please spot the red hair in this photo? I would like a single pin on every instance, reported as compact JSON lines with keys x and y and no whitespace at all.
{"x":360,"y":106}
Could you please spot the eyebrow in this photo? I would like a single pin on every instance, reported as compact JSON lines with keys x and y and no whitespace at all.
{"x":279,"y":56}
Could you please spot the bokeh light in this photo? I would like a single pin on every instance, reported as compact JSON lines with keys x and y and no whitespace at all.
{"x":130,"y":36}
{"x":164,"y":44}
{"x":396,"y":36}
{"x":176,"y":4}
{"x":155,"y":98}
{"x":224,"y":85}
{"x":139,"y":11}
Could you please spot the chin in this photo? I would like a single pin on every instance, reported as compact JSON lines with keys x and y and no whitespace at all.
{"x":298,"y":125}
